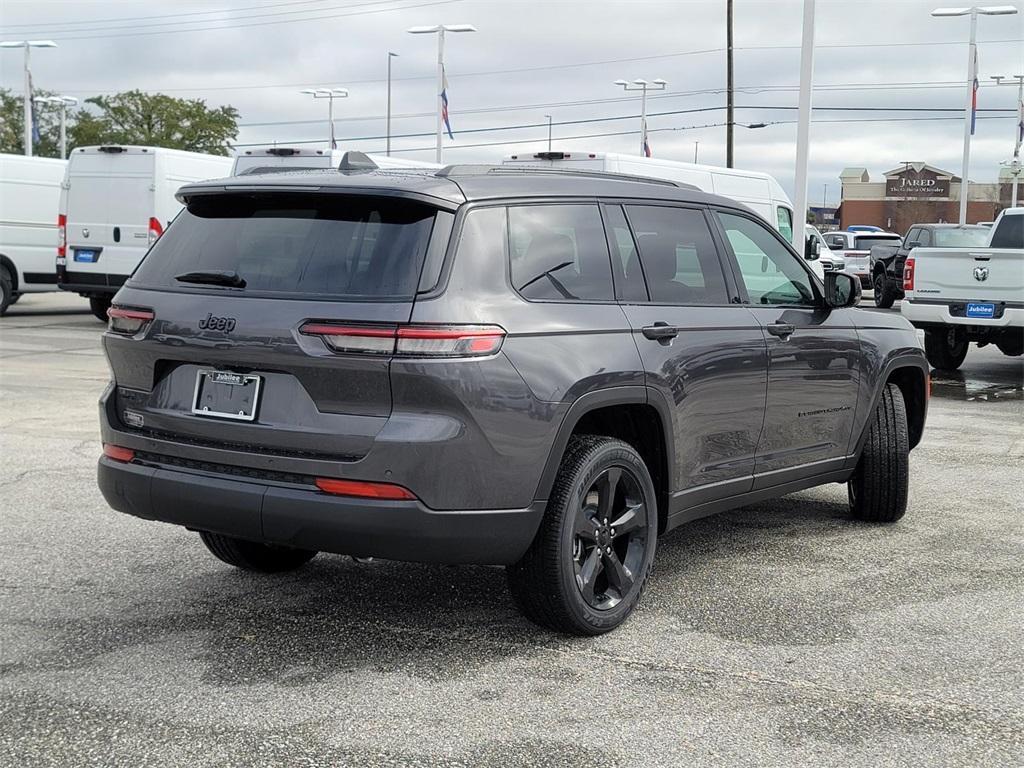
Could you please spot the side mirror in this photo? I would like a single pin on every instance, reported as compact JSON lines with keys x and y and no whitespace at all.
{"x":841,"y":290}
{"x":812,"y":248}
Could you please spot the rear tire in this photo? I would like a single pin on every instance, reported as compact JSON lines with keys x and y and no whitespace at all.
{"x":1011,"y":343}
{"x":885,"y":296}
{"x":252,"y":556}
{"x":590,"y":560}
{"x":945,"y":348}
{"x":99,"y":306}
{"x":878,"y":488}
{"x":6,"y":290}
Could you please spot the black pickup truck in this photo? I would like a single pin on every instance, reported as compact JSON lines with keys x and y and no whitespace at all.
{"x":886,"y":261}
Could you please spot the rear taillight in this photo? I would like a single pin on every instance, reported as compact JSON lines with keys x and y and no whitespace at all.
{"x":117,"y":453}
{"x":128,"y":322}
{"x":62,"y":236}
{"x":410,"y":340}
{"x":364,"y":490}
{"x":155,"y":230}
{"x":908,"y":274}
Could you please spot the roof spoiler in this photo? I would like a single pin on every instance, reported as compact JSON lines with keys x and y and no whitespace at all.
{"x":356,"y":161}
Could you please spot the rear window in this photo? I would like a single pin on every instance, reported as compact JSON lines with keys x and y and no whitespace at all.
{"x":325,"y":245}
{"x":867,"y":243}
{"x":961,"y":238}
{"x":1009,"y":233}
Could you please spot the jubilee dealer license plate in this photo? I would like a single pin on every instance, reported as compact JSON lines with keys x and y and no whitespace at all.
{"x":226,"y":395}
{"x":981,"y":310}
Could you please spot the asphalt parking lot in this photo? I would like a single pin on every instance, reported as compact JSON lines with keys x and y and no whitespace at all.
{"x":779,"y":634}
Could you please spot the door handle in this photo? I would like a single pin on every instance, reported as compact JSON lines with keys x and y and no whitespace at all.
{"x":660,"y":331}
{"x":782,"y":330}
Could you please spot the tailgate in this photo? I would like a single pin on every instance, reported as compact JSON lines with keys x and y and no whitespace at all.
{"x":969,"y":274}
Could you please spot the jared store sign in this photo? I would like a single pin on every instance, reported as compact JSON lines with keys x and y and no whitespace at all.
{"x":912,"y":185}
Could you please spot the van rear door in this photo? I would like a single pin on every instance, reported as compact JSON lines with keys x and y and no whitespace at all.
{"x":109,"y":204}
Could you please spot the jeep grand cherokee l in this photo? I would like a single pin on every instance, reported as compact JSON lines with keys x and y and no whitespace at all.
{"x":542,"y":370}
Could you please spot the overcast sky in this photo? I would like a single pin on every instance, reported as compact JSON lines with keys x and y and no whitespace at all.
{"x":555,"y":57}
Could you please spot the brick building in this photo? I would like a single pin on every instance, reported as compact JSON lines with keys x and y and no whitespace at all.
{"x":916,"y":193}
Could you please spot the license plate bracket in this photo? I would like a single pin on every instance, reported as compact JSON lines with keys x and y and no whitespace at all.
{"x":226,"y":395}
{"x":86,"y":255}
{"x":980,"y":309}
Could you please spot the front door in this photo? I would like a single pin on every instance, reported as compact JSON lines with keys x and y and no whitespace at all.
{"x":814,"y":356}
{"x":703,"y":354}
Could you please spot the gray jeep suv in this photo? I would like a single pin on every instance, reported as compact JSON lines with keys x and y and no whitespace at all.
{"x":541,"y":370}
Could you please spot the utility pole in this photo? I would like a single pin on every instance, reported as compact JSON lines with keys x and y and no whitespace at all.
{"x":388,"y":150}
{"x":1015,"y":165}
{"x":549,"y":131}
{"x":27,"y":104}
{"x":972,"y":84}
{"x":439,"y":30}
{"x":728,"y":85}
{"x":803,"y":127}
{"x":695,"y":145}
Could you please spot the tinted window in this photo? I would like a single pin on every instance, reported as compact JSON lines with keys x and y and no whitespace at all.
{"x":338,"y":245}
{"x":629,"y":277}
{"x":559,"y":252}
{"x":771,"y":274}
{"x":785,"y":220}
{"x":968,"y":237}
{"x":867,"y":242}
{"x":1009,"y":233}
{"x":836,"y":241}
{"x":913,"y":235}
{"x":678,"y":255}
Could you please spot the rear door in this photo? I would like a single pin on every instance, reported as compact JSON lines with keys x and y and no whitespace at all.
{"x":814,"y":355}
{"x":307,"y":322}
{"x":703,"y":353}
{"x":109,"y":203}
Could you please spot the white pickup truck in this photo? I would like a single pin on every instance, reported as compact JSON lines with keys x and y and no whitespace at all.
{"x":960,"y":295}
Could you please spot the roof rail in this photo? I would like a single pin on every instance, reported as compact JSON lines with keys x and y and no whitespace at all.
{"x":512,"y":170}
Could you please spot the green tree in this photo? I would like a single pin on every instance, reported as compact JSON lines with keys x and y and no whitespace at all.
{"x":155,"y":119}
{"x":12,"y":125}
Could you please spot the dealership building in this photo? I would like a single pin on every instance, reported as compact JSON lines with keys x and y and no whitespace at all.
{"x":917,"y":193}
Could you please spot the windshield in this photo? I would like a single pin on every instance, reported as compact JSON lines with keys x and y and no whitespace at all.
{"x":968,"y":237}
{"x":326,"y":245}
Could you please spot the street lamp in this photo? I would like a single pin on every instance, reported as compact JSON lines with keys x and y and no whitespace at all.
{"x":442,"y":96}
{"x":27,"y":45}
{"x":549,"y":131}
{"x":330,"y":94}
{"x":972,"y":78}
{"x":388,"y":150}
{"x":64,"y":102}
{"x":643,"y":86}
{"x":1018,"y":131}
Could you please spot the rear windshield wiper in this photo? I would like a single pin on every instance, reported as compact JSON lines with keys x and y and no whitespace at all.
{"x":213,"y":277}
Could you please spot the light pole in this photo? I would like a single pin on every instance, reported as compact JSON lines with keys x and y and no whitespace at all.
{"x":803,"y":126}
{"x":695,"y":145}
{"x":27,"y":45}
{"x":643,"y":86}
{"x":549,"y":131}
{"x":1018,"y":130}
{"x":330,"y":94}
{"x":64,"y":102}
{"x":972,"y":79}
{"x":390,"y":57}
{"x":442,"y":96}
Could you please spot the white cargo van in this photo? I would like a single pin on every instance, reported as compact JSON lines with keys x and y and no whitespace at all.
{"x":29,"y":199}
{"x":273,"y":158}
{"x":115,"y":202}
{"x":758,"y":191}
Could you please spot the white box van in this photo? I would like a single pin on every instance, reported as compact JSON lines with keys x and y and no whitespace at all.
{"x":273,"y":158}
{"x":29,"y":199}
{"x":116,"y":201}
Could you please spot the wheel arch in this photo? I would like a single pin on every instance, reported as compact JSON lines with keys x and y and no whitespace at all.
{"x":11,"y":269}
{"x":911,"y":374}
{"x":635,"y":414}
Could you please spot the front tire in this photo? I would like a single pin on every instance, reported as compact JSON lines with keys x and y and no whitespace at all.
{"x":945,"y":348}
{"x":99,"y":306}
{"x":588,"y":565}
{"x":252,"y":556}
{"x":885,"y":296}
{"x":6,"y":290}
{"x":878,"y":488}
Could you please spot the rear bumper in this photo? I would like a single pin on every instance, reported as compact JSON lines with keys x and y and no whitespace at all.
{"x":89,"y":283}
{"x":304,"y":517}
{"x":932,"y":312}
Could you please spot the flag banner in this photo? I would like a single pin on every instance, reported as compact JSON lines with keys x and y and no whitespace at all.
{"x":444,"y":103}
{"x":974,"y":93}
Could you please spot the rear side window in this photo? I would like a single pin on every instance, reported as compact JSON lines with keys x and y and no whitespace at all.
{"x":1009,"y":233}
{"x":330,"y":245}
{"x":559,"y":252}
{"x":679,"y":257}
